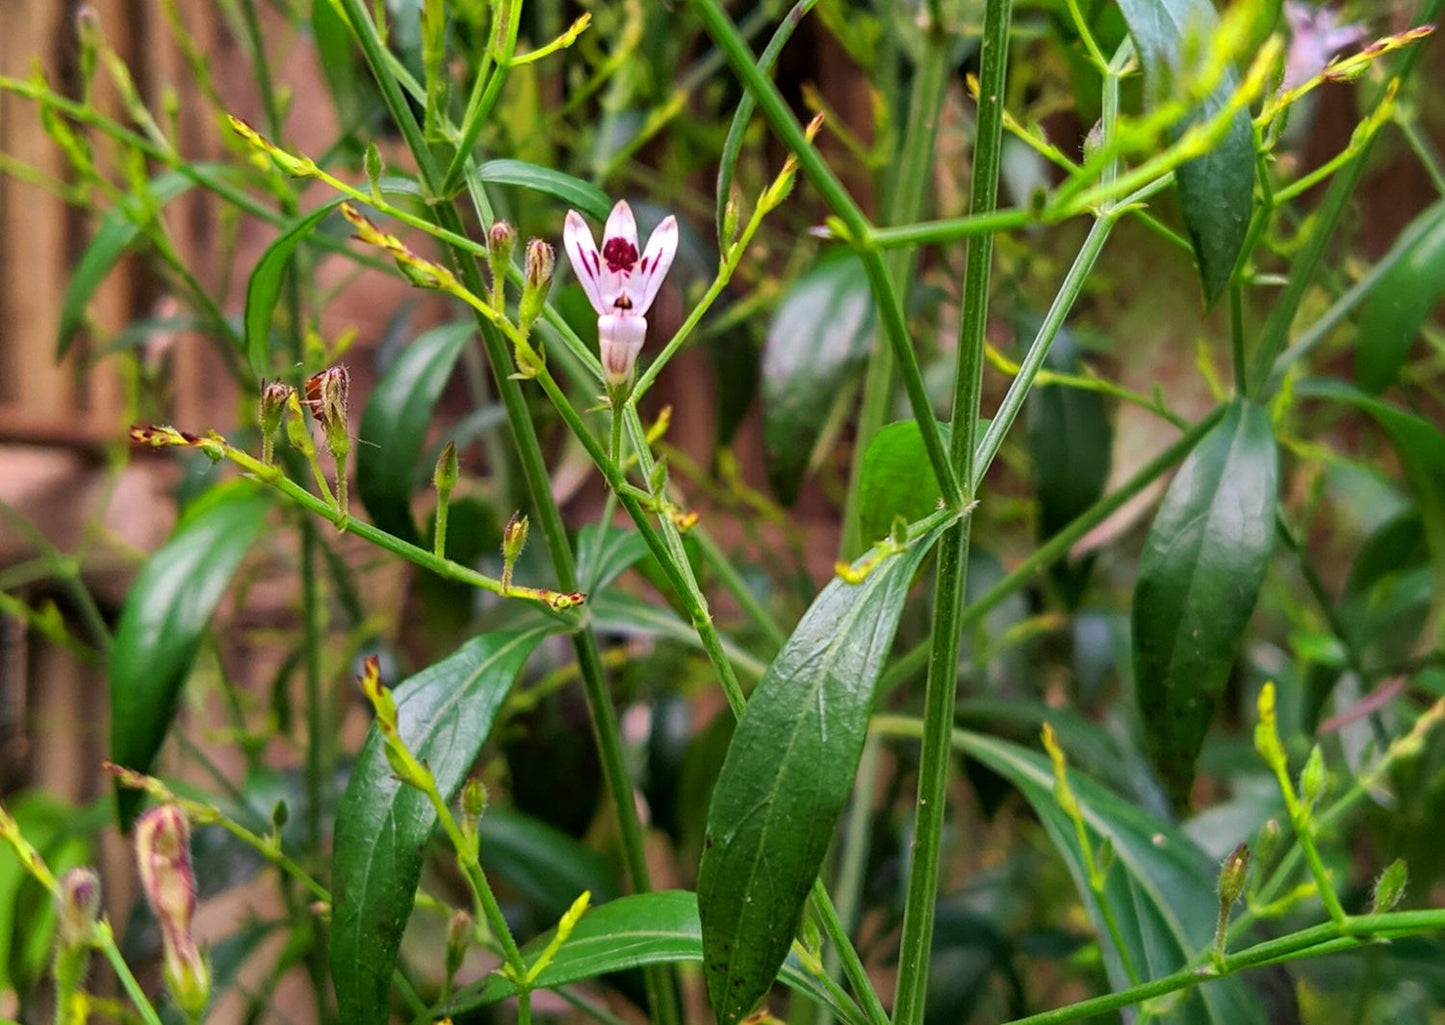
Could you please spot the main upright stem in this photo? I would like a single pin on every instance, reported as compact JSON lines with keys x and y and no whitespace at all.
{"x":913,"y":960}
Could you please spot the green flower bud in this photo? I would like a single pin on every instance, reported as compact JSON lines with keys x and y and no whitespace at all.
{"x":1312,"y":777}
{"x":1232,"y":875}
{"x":1390,"y":887}
{"x":540,"y":261}
{"x":514,"y":539}
{"x":459,"y":937}
{"x":500,"y":242}
{"x":445,"y":476}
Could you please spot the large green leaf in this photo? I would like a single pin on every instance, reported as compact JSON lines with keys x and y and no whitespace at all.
{"x":114,"y":236}
{"x":395,"y":422}
{"x":1216,"y":190}
{"x":264,"y":287}
{"x":896,"y":479}
{"x":1401,"y":300}
{"x":445,"y":713}
{"x":583,"y":195}
{"x":1199,"y":576}
{"x":1161,"y":887}
{"x":1421,"y":448}
{"x":165,"y":617}
{"x":787,"y":776}
{"x":632,"y":932}
{"x":819,"y":337}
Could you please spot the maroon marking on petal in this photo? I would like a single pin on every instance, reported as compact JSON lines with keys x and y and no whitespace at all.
{"x":642,"y":266}
{"x":620,"y":254}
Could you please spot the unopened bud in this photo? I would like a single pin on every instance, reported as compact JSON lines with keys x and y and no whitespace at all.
{"x":474,"y":801}
{"x":1266,"y":732}
{"x":1232,"y":875}
{"x":271,"y":414}
{"x":375,"y":167}
{"x":1270,"y":837}
{"x":1094,"y":139}
{"x":1312,"y":777}
{"x":536,"y":283}
{"x":79,"y":906}
{"x":730,"y":220}
{"x":500,"y":242}
{"x":514,"y":539}
{"x":377,"y":694}
{"x":459,"y":937}
{"x":444,"y":478}
{"x":1390,"y":887}
{"x":162,"y":843}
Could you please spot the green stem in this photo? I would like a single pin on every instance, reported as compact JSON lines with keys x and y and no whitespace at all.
{"x":662,"y":995}
{"x":942,"y":687}
{"x":104,"y":938}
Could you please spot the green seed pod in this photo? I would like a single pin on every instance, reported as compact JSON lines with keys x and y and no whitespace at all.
{"x":1390,"y":887}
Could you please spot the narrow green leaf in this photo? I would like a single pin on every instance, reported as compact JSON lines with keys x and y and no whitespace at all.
{"x":445,"y":713}
{"x":896,"y":479}
{"x":117,"y":231}
{"x":335,"y":55}
{"x":615,"y":611}
{"x":583,"y":195}
{"x":165,"y":617}
{"x":394,"y":425}
{"x":264,"y":287}
{"x":787,"y":776}
{"x":1401,"y":300}
{"x":632,"y":932}
{"x":819,"y":337}
{"x":1216,"y":190}
{"x":1199,"y":576}
{"x":544,"y":864}
{"x":1161,"y":887}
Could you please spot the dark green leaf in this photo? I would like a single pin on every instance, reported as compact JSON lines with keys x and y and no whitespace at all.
{"x":264,"y":288}
{"x":547,"y":866}
{"x":631,"y":932}
{"x":585,"y":196}
{"x":620,"y":548}
{"x":896,"y":479}
{"x":1421,"y":448}
{"x":819,"y":337}
{"x":1070,"y":440}
{"x":395,"y":422}
{"x":165,"y":617}
{"x":1161,"y":886}
{"x":1216,"y":191}
{"x":114,"y":236}
{"x":787,"y":776}
{"x":1199,"y":576}
{"x":445,"y":713}
{"x":1401,"y":300}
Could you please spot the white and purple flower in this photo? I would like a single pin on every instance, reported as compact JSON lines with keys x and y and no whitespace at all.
{"x":620,"y":283}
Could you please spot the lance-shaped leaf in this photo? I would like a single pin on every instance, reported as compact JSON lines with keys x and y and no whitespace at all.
{"x":264,"y":287}
{"x":1160,"y":887}
{"x":572,"y":191}
{"x":787,"y":776}
{"x":114,"y":236}
{"x":1216,"y":190}
{"x":633,"y":932}
{"x":818,"y":339}
{"x":896,"y":479}
{"x":164,"y":621}
{"x":445,"y":713}
{"x":1199,"y":576}
{"x":1401,"y":300}
{"x":394,"y":425}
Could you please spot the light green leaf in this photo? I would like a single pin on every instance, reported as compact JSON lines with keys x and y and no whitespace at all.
{"x":264,"y":287}
{"x":584,"y":196}
{"x":165,"y":617}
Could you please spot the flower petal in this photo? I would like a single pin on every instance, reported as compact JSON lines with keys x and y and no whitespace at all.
{"x":653,"y":267}
{"x":620,"y":224}
{"x":586,"y":260}
{"x":620,"y":339}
